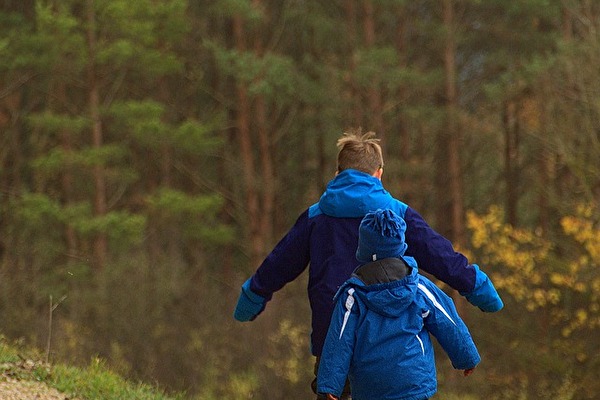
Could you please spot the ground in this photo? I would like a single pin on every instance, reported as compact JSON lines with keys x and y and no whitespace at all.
{"x":17,"y":383}
{"x":13,"y":389}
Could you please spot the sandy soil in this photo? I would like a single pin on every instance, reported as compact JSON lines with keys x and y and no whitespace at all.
{"x":13,"y":389}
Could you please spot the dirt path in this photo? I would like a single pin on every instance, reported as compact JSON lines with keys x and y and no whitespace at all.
{"x":17,"y":383}
{"x":13,"y":389}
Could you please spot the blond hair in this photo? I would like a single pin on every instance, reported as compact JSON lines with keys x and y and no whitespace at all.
{"x":359,"y":151}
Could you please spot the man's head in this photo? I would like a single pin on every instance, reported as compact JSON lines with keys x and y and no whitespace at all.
{"x":381,"y":235}
{"x":361,"y":152}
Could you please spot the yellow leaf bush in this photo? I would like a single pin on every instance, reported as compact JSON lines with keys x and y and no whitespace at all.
{"x":540,"y":275}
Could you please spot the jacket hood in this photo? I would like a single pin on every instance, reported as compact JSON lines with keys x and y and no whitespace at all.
{"x":388,"y":297}
{"x":352,"y":194}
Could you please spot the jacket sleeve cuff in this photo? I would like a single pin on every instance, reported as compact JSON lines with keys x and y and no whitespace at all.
{"x":249,"y":304}
{"x":484,"y":294}
{"x":253,"y":297}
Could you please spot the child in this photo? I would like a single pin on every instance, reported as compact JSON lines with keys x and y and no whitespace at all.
{"x":326,"y":235}
{"x":379,"y":332}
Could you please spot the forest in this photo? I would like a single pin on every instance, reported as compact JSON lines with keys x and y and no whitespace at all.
{"x":152,"y":153}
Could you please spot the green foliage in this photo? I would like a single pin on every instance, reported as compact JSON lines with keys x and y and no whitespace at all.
{"x":36,"y":210}
{"x":42,"y":216}
{"x":21,"y":47}
{"x":310,"y":26}
{"x":572,"y":126}
{"x":175,"y":204}
{"x":98,"y":381}
{"x":196,"y":214}
{"x":243,"y":8}
{"x":374,"y":64}
{"x":137,"y":30}
{"x":59,"y":35}
{"x":143,"y":119}
{"x":58,"y":159}
{"x":272,"y":75}
{"x":121,"y":226}
{"x":55,"y":124}
{"x":193,"y":137}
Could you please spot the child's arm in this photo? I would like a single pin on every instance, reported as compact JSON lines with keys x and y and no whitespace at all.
{"x":435,"y":255}
{"x":443,"y":322}
{"x":339,"y":345}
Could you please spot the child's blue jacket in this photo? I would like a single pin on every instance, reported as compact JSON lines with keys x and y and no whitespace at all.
{"x":379,"y":338}
{"x":326,"y":237}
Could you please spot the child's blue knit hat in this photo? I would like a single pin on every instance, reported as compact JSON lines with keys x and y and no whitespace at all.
{"x":381,"y":235}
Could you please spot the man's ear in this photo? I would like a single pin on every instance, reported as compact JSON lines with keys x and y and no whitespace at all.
{"x":378,"y":173}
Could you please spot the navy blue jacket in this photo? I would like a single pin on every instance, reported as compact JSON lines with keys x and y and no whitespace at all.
{"x":326,"y":237}
{"x":379,"y":336}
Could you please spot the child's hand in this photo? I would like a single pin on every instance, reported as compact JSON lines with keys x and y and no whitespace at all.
{"x":326,"y":396}
{"x":469,"y":371}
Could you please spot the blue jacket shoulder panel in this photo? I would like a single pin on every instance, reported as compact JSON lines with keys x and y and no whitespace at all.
{"x":352,"y":194}
{"x":314,"y":210}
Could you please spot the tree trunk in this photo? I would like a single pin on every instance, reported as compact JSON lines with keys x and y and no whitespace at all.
{"x":11,"y":164}
{"x":246,"y":154}
{"x":454,"y":134}
{"x":225,"y":174}
{"x":400,"y":42}
{"x":567,"y":24}
{"x":268,"y":177}
{"x":511,"y":160}
{"x":442,"y":185}
{"x":374,"y":95}
{"x":100,"y":208}
{"x":355,"y":117}
{"x":266,"y":159}
{"x":67,"y":178}
{"x":545,"y":167}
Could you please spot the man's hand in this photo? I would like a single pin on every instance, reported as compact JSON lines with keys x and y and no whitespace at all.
{"x":469,"y":371}
{"x":249,"y":304}
{"x":484,"y":294}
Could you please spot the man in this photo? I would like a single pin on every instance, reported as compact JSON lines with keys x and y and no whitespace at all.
{"x":326,"y":237}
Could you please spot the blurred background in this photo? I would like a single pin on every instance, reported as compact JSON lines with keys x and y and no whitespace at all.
{"x":152,"y":152}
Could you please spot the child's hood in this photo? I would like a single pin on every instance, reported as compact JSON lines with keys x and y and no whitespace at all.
{"x":352,"y":194}
{"x":387,"y":286}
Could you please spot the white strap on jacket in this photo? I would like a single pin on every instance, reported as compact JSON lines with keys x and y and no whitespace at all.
{"x":436,"y":303}
{"x":349,"y":304}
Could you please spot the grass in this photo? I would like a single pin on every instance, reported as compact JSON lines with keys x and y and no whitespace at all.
{"x":95,"y":381}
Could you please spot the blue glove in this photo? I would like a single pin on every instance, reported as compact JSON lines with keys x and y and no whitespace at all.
{"x":249,"y":304}
{"x":484,"y":294}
